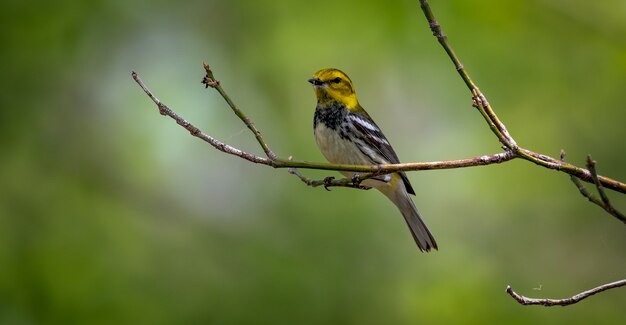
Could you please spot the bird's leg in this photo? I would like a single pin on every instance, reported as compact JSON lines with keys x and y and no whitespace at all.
{"x":356,"y":182}
{"x":327,"y":182}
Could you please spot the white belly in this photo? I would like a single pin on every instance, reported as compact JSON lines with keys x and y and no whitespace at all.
{"x":338,"y":150}
{"x":341,"y":151}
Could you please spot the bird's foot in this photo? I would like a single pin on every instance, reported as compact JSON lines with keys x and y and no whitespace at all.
{"x":328,"y":182}
{"x":356,"y":182}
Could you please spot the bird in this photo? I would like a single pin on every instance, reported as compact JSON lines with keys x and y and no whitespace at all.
{"x":346,"y":134}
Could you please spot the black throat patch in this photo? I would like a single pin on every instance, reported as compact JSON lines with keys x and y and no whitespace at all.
{"x":331,"y":115}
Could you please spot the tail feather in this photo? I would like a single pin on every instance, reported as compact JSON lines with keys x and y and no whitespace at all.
{"x":422,"y":236}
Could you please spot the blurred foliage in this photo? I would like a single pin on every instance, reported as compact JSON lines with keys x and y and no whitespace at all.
{"x":111,"y":214}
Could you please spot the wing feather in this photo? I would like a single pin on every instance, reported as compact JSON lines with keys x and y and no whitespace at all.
{"x":374,"y":144}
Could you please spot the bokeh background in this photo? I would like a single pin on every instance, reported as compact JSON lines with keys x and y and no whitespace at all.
{"x":112,"y":214}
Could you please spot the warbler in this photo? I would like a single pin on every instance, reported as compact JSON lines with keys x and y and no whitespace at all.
{"x":346,"y":134}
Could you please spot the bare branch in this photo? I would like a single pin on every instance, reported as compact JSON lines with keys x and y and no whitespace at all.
{"x":391,"y":168}
{"x":605,"y":203}
{"x":221,"y":146}
{"x":512,"y":151}
{"x":576,"y":173}
{"x":387,"y":168}
{"x":210,"y":81}
{"x":480,"y":101}
{"x":288,"y":163}
{"x":566,"y":301}
{"x":371,"y":171}
{"x":328,"y":181}
{"x":496,"y":125}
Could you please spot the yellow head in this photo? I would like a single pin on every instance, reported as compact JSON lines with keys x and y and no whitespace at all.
{"x":334,"y":85}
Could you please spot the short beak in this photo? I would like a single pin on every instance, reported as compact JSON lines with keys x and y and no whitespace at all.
{"x":316,"y":82}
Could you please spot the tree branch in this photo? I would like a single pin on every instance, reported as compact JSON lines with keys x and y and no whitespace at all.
{"x":289,"y":163}
{"x":496,"y":125}
{"x":566,"y":301}
{"x":480,"y":102}
{"x":369,"y":170}
{"x":209,"y":81}
{"x":512,"y":151}
{"x":221,"y":146}
{"x":604,"y":203}
{"x":576,"y":173}
{"x":273,"y":161}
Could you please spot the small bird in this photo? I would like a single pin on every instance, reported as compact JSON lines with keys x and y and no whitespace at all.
{"x":346,"y":134}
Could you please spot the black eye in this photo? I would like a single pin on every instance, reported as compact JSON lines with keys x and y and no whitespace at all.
{"x":336,"y":80}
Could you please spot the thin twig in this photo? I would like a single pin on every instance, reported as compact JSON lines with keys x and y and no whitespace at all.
{"x":387,"y":168}
{"x":563,"y":302}
{"x":512,"y":151}
{"x":605,"y":203}
{"x":494,"y":123}
{"x":287,"y":163}
{"x":497,"y":126}
{"x":221,"y":146}
{"x":392,"y":168}
{"x":210,"y":81}
{"x":372,"y":171}
{"x":479,"y":100}
{"x":581,"y":188}
{"x":328,"y":181}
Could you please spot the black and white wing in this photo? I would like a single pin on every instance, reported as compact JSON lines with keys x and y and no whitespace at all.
{"x":372,"y":142}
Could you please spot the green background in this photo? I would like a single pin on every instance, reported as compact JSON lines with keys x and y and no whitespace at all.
{"x":112,"y":214}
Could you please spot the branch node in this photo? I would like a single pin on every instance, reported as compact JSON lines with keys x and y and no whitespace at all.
{"x":436,"y":29}
{"x":209,"y":79}
{"x":604,"y":201}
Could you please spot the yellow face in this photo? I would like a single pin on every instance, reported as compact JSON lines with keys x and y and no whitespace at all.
{"x":334,"y":85}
